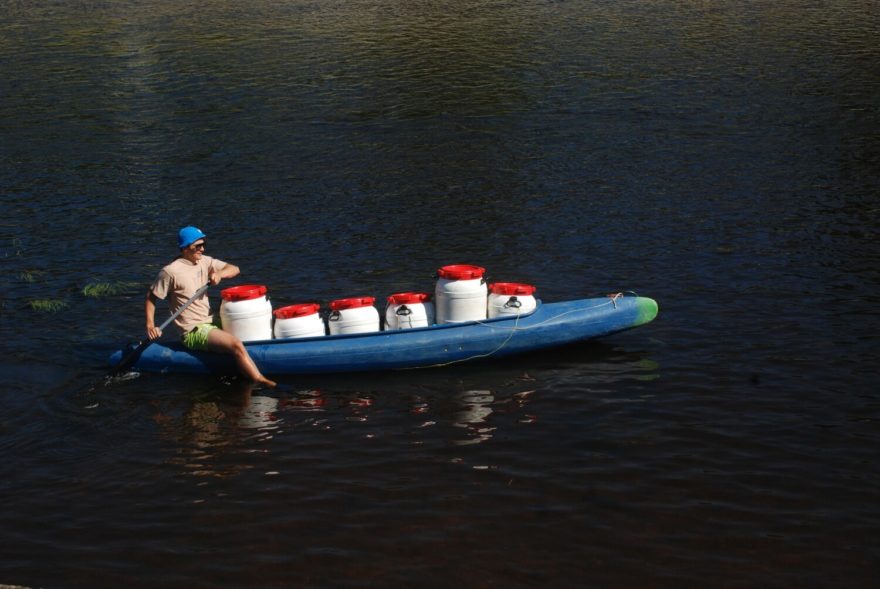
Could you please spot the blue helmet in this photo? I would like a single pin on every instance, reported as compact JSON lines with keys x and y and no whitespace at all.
{"x":188,"y":235}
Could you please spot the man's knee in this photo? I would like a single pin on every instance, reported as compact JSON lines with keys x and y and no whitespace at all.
{"x":238,"y":347}
{"x":225,"y":341}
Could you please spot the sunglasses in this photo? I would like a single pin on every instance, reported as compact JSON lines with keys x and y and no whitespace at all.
{"x":198,"y":246}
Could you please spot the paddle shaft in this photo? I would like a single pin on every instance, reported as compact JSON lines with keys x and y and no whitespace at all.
{"x":134,"y":354}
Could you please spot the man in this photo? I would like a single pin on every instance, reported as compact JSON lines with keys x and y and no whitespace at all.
{"x":178,"y":281}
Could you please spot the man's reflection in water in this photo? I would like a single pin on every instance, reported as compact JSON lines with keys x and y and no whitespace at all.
{"x":209,"y":427}
{"x":260,"y":413}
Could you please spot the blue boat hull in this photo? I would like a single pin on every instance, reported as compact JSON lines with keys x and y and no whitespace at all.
{"x":550,"y":325}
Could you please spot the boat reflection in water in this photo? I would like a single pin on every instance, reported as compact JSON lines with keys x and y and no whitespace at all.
{"x":220,"y":433}
{"x":473,"y":416}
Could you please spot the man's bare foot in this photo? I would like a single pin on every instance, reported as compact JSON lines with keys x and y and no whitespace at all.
{"x":266,"y":382}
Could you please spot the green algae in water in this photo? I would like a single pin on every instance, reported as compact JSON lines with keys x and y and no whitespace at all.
{"x":30,"y":275}
{"x":48,"y":305}
{"x":108,"y":289}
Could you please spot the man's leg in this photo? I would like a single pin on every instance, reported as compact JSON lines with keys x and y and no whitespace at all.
{"x":224,"y":342}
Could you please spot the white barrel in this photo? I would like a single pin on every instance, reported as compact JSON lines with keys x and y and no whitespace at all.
{"x":246,"y":312}
{"x":302,"y":320}
{"x":353,"y":315}
{"x":510,"y":298}
{"x":460,"y":294}
{"x":407,"y":310}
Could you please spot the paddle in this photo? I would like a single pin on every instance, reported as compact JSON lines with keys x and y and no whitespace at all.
{"x":132,"y":356}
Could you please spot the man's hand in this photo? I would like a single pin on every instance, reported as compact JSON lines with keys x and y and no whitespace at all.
{"x":214,"y":277}
{"x":153,"y":332}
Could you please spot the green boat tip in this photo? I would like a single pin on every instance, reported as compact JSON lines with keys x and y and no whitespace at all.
{"x":647,"y":310}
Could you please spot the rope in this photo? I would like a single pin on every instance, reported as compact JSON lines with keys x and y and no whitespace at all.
{"x":516,"y":328}
{"x":547,"y":320}
{"x":614,"y":298}
{"x":469,"y":358}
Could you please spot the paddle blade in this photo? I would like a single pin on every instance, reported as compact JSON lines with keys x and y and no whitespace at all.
{"x":129,"y":359}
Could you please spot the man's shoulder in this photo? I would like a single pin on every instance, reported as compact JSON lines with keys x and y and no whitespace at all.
{"x":181,"y":262}
{"x":171,"y":266}
{"x":177,"y":267}
{"x":208,"y":261}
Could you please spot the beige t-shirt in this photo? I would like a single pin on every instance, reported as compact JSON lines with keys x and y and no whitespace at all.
{"x":178,"y":281}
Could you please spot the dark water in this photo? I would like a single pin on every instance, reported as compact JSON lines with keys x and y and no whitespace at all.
{"x":722,"y":157}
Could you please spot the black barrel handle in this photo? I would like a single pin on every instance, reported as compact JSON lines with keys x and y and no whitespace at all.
{"x":513,"y":303}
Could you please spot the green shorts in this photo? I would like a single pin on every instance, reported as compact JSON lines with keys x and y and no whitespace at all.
{"x":197,"y":338}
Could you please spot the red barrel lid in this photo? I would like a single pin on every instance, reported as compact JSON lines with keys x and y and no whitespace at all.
{"x":512,"y":288}
{"x":460,"y":272}
{"x":292,"y":311}
{"x":352,"y":303}
{"x":244,"y":292}
{"x":409,"y":298}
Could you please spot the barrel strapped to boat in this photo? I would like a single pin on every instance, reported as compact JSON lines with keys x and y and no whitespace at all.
{"x":407,"y":310}
{"x":246,"y":312}
{"x":353,"y":315}
{"x":460,"y":293}
{"x":301,"y":320}
{"x":511,"y":298}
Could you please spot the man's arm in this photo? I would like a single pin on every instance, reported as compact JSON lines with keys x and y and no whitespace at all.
{"x":227,"y":271}
{"x":153,"y":332}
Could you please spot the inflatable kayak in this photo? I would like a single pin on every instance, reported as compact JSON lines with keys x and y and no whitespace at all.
{"x":549,"y":325}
